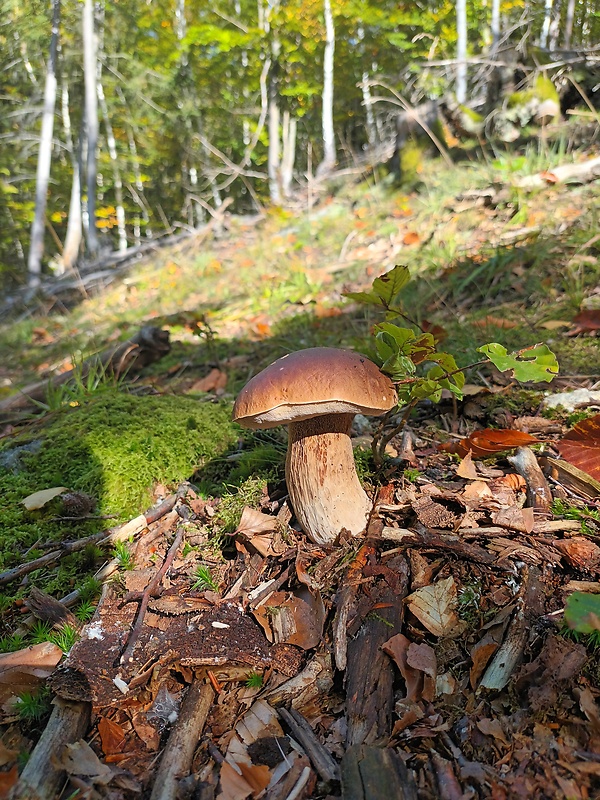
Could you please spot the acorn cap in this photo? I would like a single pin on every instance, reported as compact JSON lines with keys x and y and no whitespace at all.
{"x":311,"y":383}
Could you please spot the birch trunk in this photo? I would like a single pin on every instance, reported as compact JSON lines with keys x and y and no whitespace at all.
{"x":36,"y":247}
{"x":461,"y":50}
{"x":289,"y":153}
{"x":569,"y":24}
{"x":329,"y":157}
{"x":118,"y":183}
{"x":90,"y":46}
{"x":546,"y":24}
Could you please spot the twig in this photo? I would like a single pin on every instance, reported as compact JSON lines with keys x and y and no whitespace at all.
{"x":154,"y":583}
{"x":301,"y":730}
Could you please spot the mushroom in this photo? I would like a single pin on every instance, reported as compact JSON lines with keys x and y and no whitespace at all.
{"x":317,"y":392}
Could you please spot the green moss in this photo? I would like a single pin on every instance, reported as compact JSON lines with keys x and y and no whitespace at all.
{"x":115,"y":448}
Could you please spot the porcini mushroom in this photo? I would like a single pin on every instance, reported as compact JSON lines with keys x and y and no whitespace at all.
{"x":317,"y":392}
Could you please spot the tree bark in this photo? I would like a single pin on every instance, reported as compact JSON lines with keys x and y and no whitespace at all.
{"x":461,"y":50}
{"x":90,"y":46}
{"x":569,"y":24}
{"x":36,"y":246}
{"x":289,"y":153}
{"x":74,"y":224}
{"x":329,"y":156}
{"x":118,"y":183}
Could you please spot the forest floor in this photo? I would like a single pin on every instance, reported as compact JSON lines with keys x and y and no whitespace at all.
{"x":212,"y":649}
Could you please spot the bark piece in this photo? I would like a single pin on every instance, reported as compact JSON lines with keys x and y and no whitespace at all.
{"x":370,"y":772}
{"x":177,"y":756}
{"x":301,"y":730}
{"x":370,"y":672}
{"x":525,"y":463}
{"x":573,"y":173}
{"x":42,"y":778}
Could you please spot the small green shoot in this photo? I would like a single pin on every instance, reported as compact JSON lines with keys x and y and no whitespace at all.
{"x":410,"y":474}
{"x":85,"y":611}
{"x":204,"y":580}
{"x":254,"y":680}
{"x":9,"y":644}
{"x":124,"y":556}
{"x":34,"y":707}
{"x":65,"y":637}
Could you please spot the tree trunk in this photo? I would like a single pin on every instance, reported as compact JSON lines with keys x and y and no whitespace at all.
{"x":461,"y":50}
{"x":495,"y":25}
{"x":569,"y":24}
{"x":274,"y":151}
{"x":329,"y":157}
{"x":289,"y":153}
{"x":118,"y":183}
{"x":368,"y":104}
{"x":546,"y":24}
{"x":74,"y":234}
{"x":36,"y":247}
{"x":91,"y":115}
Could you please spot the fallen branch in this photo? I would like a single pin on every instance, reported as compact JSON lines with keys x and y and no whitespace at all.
{"x":177,"y":756}
{"x":539,"y":496}
{"x":584,"y":172}
{"x":303,"y":733}
{"x":41,"y":778}
{"x":148,"y":345}
{"x":147,"y":595}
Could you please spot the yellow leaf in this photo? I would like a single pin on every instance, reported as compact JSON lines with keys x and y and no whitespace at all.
{"x":39,"y":499}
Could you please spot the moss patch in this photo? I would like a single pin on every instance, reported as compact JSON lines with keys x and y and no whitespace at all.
{"x":115,"y":448}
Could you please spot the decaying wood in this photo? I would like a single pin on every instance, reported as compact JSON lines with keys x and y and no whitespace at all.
{"x":147,"y":594}
{"x":301,"y":730}
{"x":370,"y":672}
{"x":583,"y":172}
{"x":177,"y":756}
{"x":148,"y":345}
{"x":440,"y":540}
{"x":42,"y":778}
{"x":539,"y":496}
{"x":48,"y":609}
{"x":373,"y":772}
{"x":571,"y":478}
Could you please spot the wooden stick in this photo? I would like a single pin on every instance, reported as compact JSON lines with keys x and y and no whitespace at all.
{"x":41,"y":778}
{"x":301,"y":730}
{"x":177,"y":756}
{"x":539,"y":495}
{"x":147,"y":595}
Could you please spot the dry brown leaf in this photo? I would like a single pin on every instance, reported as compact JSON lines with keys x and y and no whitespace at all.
{"x":254,"y":522}
{"x":112,"y":736}
{"x":422,"y":657}
{"x":492,"y":727}
{"x":590,"y":708}
{"x":79,"y":759}
{"x":586,"y":322}
{"x":233,"y":785}
{"x":299,"y":619}
{"x":215,"y":380}
{"x":412,"y":237}
{"x":467,"y":469}
{"x":579,"y":552}
{"x":23,"y":670}
{"x":8,"y":780}
{"x":7,"y":755}
{"x":258,"y":776}
{"x":397,"y":649}
{"x":487,"y":442}
{"x":495,"y":322}
{"x":515,"y":519}
{"x":434,"y":606}
{"x":581,"y":446}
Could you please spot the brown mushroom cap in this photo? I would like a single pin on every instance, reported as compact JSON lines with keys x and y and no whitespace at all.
{"x":312,"y":382}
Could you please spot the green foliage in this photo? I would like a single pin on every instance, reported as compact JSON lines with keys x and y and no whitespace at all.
{"x":582,"y":613}
{"x":537,"y":363}
{"x":204,"y":579}
{"x":34,"y":707}
{"x":124,"y":556}
{"x":254,"y":680}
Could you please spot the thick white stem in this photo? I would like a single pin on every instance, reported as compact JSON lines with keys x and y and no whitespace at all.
{"x":321,"y":478}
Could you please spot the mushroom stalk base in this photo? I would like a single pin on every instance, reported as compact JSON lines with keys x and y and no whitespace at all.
{"x":324,"y":489}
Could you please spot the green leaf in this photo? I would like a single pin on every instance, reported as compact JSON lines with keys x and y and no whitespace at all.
{"x":385,"y":289}
{"x":536,"y":363}
{"x":582,"y":612}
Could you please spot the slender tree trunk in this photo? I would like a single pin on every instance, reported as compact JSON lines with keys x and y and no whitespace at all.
{"x":329,"y":157}
{"x":74,"y":226}
{"x":461,"y":50}
{"x":569,"y":24}
{"x":118,"y":183}
{"x":368,"y":104}
{"x":289,"y":153}
{"x":36,"y":247}
{"x":274,"y":115}
{"x":495,"y":25}
{"x":90,"y":46}
{"x":546,"y":24}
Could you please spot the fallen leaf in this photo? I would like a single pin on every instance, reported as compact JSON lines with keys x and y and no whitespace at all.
{"x":554,"y":324}
{"x":254,"y":522}
{"x":7,"y":756}
{"x":112,"y":736}
{"x":233,"y":785}
{"x":412,"y":237}
{"x":579,"y":552}
{"x":299,"y":619}
{"x":8,"y":780}
{"x":39,"y":499}
{"x":549,"y":177}
{"x":215,"y":380}
{"x":466,"y":468}
{"x":488,"y":441}
{"x":581,"y":446}
{"x":434,"y":606}
{"x":496,"y":322}
{"x":258,"y":776}
{"x":492,"y":727}
{"x":79,"y":759}
{"x":397,"y":649}
{"x":23,"y":670}
{"x":586,"y":322}
{"x":582,"y":612}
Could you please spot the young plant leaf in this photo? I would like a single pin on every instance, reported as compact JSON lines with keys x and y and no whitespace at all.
{"x":582,"y":612}
{"x":386,"y":289}
{"x":536,"y":363}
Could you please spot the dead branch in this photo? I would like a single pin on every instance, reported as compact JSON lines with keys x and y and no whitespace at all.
{"x":177,"y":756}
{"x":375,"y":772}
{"x":148,"y":345}
{"x":301,"y":730}
{"x":539,"y":496}
{"x":147,"y":595}
{"x":584,"y":172}
{"x":42,"y":778}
